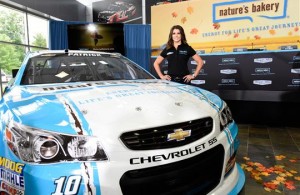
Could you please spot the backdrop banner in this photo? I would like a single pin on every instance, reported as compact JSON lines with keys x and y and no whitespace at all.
{"x":229,"y":25}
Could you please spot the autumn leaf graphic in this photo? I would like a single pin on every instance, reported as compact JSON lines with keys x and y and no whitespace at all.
{"x":194,"y":31}
{"x":216,"y":26}
{"x":174,"y":14}
{"x":236,"y":35}
{"x":183,"y":20}
{"x":272,"y":32}
{"x":296,"y":29}
{"x":190,"y":9}
{"x":257,"y":37}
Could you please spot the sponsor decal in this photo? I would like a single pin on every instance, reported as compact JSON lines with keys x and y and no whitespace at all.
{"x":11,"y":175}
{"x":96,"y":84}
{"x":295,"y":70}
{"x":179,"y":135}
{"x":83,"y":54}
{"x":228,"y":71}
{"x":173,"y":155}
{"x":4,"y":186}
{"x":202,"y":71}
{"x":193,"y":62}
{"x":170,"y":53}
{"x":109,"y":96}
{"x":183,"y":52}
{"x":228,"y":81}
{"x":296,"y":58}
{"x":262,"y":71}
{"x":228,"y":60}
{"x":296,"y":81}
{"x":198,"y":82}
{"x":67,"y":185}
{"x":263,"y":60}
{"x":247,"y":10}
{"x":262,"y":82}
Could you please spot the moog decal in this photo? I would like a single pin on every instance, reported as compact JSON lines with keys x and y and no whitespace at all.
{"x":11,"y":176}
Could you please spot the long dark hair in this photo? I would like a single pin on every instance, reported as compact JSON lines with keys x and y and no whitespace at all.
{"x":170,"y":40}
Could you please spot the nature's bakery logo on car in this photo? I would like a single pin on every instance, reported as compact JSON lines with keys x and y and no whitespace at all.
{"x":11,"y":177}
{"x":248,"y":9}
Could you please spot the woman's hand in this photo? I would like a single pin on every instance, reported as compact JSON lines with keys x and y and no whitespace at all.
{"x":188,"y":78}
{"x":165,"y":77}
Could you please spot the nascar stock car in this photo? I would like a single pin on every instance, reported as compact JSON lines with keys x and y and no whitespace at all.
{"x":87,"y":122}
{"x":118,"y":11}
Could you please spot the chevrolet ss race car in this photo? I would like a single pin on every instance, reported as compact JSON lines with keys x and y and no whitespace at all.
{"x":85,"y":122}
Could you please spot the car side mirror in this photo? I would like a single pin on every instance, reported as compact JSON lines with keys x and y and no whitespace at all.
{"x":14,"y":72}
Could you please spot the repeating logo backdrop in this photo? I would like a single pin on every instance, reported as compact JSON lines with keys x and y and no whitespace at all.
{"x":277,"y":71}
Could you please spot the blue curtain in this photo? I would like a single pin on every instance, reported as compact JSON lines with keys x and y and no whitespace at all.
{"x":138,"y":44}
{"x":137,"y":40}
{"x":58,"y":37}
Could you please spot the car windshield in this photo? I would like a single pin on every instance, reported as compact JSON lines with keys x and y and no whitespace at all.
{"x":62,"y":68}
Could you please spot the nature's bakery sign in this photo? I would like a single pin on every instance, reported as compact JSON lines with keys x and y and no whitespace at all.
{"x":229,"y":24}
{"x":228,"y":11}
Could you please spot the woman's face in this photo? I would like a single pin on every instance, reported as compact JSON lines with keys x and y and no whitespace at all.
{"x":176,"y":36}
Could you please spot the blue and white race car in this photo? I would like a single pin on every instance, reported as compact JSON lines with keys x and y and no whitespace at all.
{"x":85,"y":122}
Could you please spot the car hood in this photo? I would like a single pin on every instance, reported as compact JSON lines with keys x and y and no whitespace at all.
{"x":100,"y":108}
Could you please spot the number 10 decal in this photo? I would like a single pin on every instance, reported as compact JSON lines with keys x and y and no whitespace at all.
{"x":70,"y":187}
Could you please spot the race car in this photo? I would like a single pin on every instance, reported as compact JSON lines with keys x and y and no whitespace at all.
{"x":118,"y":11}
{"x":87,"y":122}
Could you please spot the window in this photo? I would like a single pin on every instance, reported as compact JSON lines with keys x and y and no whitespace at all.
{"x":20,"y":32}
{"x":38,"y":31}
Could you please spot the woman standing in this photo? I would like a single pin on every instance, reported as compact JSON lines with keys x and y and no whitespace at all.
{"x":178,"y":53}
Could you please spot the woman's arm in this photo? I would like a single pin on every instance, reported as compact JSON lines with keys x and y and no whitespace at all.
{"x":156,"y":65}
{"x":199,"y":62}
